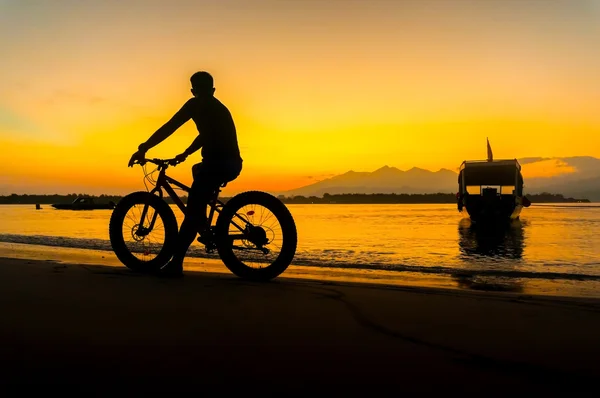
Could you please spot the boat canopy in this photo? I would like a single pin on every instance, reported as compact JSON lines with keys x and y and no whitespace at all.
{"x":496,"y":172}
{"x":83,"y":199}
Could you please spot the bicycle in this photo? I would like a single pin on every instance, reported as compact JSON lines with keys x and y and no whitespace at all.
{"x":235,"y":232}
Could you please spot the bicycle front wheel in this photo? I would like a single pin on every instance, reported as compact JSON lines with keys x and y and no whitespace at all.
{"x":143,"y":231}
{"x":256,"y":236}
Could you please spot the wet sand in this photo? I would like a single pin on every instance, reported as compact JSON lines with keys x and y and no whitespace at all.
{"x":104,"y":329}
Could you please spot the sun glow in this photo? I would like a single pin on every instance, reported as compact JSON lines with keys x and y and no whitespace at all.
{"x":314,"y":91}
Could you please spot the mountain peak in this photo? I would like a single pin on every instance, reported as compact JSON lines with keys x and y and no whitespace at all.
{"x":417,"y":170}
{"x":386,"y":169}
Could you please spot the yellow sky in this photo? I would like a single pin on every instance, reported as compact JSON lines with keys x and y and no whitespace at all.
{"x":316,"y":88}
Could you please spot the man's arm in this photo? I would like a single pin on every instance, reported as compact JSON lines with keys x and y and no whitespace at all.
{"x":194,"y":146}
{"x":182,"y":116}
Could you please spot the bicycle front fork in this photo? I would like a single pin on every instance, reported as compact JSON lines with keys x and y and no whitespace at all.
{"x":142,"y":229}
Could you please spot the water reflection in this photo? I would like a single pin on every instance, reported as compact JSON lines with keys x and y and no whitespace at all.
{"x":491,"y":246}
{"x":504,"y":241}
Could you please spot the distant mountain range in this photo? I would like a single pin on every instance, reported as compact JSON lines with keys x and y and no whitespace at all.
{"x":580,"y":179}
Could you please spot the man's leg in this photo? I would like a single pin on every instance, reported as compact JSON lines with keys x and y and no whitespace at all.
{"x":195,"y":217}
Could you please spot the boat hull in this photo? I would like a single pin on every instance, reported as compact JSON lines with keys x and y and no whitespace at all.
{"x":492,"y":209}
{"x":66,"y":206}
{"x":478,"y":216}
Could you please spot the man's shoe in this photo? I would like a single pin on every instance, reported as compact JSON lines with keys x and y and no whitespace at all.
{"x":171,"y":270}
{"x":206,"y":237}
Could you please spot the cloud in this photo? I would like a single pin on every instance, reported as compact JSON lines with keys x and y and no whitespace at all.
{"x":59,"y":96}
{"x":13,"y":124}
{"x":66,"y":99}
{"x":547,"y":168}
{"x":10,"y":120}
{"x":320,"y":177}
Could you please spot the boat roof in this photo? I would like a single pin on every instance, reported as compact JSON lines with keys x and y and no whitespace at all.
{"x":480,"y":164}
{"x":496,"y":172}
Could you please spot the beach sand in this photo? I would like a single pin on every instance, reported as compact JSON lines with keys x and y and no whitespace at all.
{"x":103,"y":329}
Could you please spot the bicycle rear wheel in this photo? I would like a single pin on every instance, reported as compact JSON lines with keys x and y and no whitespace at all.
{"x":143,"y":244}
{"x":256,"y":236}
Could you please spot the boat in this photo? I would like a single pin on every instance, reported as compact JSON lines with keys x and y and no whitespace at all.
{"x":491,"y":190}
{"x":84,"y":203}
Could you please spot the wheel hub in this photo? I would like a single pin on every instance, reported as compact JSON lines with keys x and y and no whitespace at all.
{"x":138,"y":232}
{"x":257,"y":235}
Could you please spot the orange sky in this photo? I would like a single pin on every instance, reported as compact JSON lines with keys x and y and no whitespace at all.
{"x":316,"y":87}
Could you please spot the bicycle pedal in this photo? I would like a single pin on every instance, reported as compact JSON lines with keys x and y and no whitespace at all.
{"x":205,"y":240}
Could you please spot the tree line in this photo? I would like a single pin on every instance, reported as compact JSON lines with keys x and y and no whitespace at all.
{"x":434,"y":198}
{"x":69,"y":198}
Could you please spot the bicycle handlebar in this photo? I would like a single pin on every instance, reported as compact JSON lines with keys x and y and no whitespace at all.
{"x":160,"y":162}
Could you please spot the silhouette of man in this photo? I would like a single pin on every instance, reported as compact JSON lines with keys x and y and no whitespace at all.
{"x":221,"y":160}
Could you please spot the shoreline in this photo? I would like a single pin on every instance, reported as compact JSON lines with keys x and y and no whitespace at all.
{"x":574,"y":204}
{"x":474,"y":282}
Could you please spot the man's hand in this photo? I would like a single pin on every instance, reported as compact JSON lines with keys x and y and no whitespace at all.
{"x":181,"y":157}
{"x":139,"y":156}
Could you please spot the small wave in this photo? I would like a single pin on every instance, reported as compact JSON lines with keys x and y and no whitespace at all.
{"x":57,"y":241}
{"x":540,"y":206}
{"x":457,"y":272}
{"x":308,"y":260}
{"x":79,"y":243}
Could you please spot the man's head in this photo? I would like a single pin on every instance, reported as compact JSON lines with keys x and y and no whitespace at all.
{"x":202,"y":84}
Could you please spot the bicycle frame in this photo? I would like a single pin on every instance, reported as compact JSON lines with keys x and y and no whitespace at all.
{"x":164,"y":182}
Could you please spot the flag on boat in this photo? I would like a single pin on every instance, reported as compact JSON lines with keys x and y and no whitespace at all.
{"x":489,"y":150}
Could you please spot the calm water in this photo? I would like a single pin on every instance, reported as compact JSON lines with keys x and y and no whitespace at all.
{"x":557,"y":239}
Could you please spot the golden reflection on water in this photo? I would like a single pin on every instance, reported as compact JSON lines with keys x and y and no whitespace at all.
{"x":548,"y":239}
{"x":378,"y":240}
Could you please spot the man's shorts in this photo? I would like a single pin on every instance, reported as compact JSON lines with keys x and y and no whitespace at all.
{"x":208,"y":177}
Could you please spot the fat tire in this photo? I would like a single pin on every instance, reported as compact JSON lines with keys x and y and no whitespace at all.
{"x":115,"y":230}
{"x":288,"y":228}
